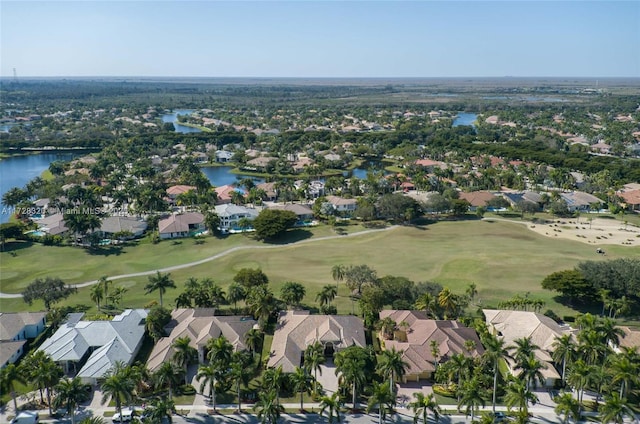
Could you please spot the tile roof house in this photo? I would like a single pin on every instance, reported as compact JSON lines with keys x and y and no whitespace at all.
{"x":200,"y":325}
{"x":269,"y":190}
{"x":579,"y":200}
{"x":223,"y":194}
{"x":15,"y":329}
{"x":512,"y":325}
{"x":477,"y":198}
{"x":416,"y":339}
{"x":174,"y":191}
{"x":297,"y":329}
{"x":181,"y":225}
{"x":223,"y":156}
{"x":631,"y":198}
{"x":231,"y":214}
{"x":342,"y":205}
{"x":113,"y":225}
{"x":91,"y":348}
{"x":53,"y":224}
{"x":630,"y":338}
{"x":303,"y":212}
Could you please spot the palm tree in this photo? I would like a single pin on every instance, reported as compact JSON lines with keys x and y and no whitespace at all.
{"x":184,"y":354}
{"x":531,"y":371}
{"x":70,"y":393}
{"x":495,"y":351}
{"x":351,"y":371}
{"x":96,"y":294}
{"x":579,"y":374}
{"x":524,"y":349}
{"x":253,"y":339}
{"x":49,"y":373}
{"x":563,"y":350}
{"x":383,"y":399}
{"x":167,"y":375}
{"x":615,"y":409}
{"x":220,"y":351}
{"x":9,"y":376}
{"x":392,"y":366}
{"x":332,"y":405}
{"x":159,"y":282}
{"x":338,"y":273}
{"x":426,"y":302}
{"x":269,"y":409}
{"x":313,"y":359}
{"x":117,"y":385}
{"x":326,"y":295}
{"x":471,"y":396}
{"x":240,"y":375}
{"x":274,"y":379}
{"x":568,"y":406}
{"x":422,"y":405}
{"x":302,"y":383}
{"x":211,"y":375}
{"x":447,"y":301}
{"x":292,"y":293}
{"x":460,"y":365}
{"x":236,"y":293}
{"x":518,"y":394}
{"x":624,"y":372}
{"x":161,"y":408}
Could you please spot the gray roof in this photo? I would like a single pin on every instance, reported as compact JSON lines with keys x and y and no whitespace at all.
{"x":115,"y":340}
{"x":12,"y":323}
{"x":8,"y":349}
{"x":230,"y":209}
{"x":180,"y":223}
{"x":116,"y":224}
{"x":297,"y":329}
{"x":298,"y":209}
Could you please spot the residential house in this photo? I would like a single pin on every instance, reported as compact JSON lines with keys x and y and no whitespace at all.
{"x":579,"y":201}
{"x":303,"y":212}
{"x":15,"y":330}
{"x":630,"y":338}
{"x":230,"y":215}
{"x":430,"y":165}
{"x":181,"y":225}
{"x":314,"y":189}
{"x":477,"y":199}
{"x":630,"y":196}
{"x":53,"y":224}
{"x":122,"y":227}
{"x":224,"y":193}
{"x":174,"y":191}
{"x":269,"y":190}
{"x":515,"y":198}
{"x":223,"y":156}
{"x":342,"y":206}
{"x":298,"y":329}
{"x":199,"y":325}
{"x":416,"y":335}
{"x":260,"y":163}
{"x":543,"y":331}
{"x":603,"y":148}
{"x":90,"y":348}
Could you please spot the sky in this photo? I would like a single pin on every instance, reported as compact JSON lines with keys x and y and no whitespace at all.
{"x":320,"y":38}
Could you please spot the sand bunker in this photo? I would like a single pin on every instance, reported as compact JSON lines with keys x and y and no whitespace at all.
{"x":599,"y":231}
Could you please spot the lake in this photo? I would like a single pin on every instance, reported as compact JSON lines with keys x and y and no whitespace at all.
{"x":173,"y":118}
{"x":17,"y":171}
{"x":464,"y":118}
{"x":221,"y":175}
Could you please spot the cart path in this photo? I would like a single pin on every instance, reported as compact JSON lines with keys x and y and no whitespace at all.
{"x":213,"y":258}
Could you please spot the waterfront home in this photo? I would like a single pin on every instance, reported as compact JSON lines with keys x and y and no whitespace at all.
{"x":419,"y":337}
{"x":270,"y":191}
{"x":15,"y":329}
{"x":298,"y":329}
{"x":224,"y":193}
{"x":199,"y":325}
{"x":89,"y":349}
{"x":231,"y":214}
{"x":181,"y":225}
{"x":223,"y":156}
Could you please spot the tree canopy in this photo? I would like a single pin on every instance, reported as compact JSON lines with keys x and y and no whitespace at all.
{"x":272,"y":223}
{"x":50,"y":290}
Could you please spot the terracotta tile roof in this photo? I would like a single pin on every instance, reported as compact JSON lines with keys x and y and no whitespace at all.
{"x":477,"y":198}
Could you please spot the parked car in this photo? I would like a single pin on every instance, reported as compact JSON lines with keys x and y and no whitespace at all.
{"x":127,"y":415}
{"x":26,"y":417}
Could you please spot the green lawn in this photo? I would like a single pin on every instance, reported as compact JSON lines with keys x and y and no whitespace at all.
{"x":503,"y":259}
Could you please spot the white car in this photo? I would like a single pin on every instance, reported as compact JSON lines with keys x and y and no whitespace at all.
{"x":127,"y":415}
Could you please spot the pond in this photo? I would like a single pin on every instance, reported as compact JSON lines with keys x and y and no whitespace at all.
{"x":173,"y":118}
{"x":465,"y":118}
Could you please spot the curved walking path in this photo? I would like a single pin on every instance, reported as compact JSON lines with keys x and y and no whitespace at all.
{"x":212,"y":258}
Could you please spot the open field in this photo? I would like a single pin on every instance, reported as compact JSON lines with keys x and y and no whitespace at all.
{"x":502,"y":258}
